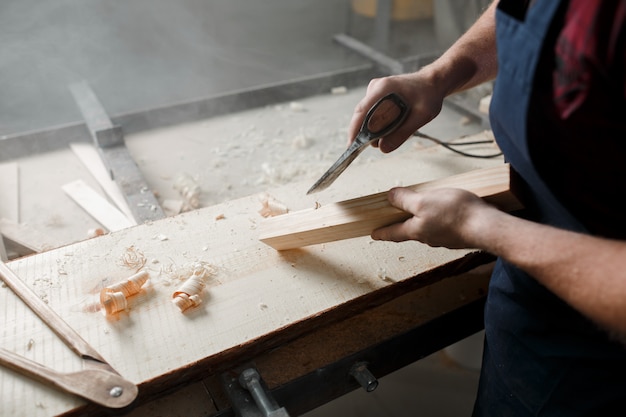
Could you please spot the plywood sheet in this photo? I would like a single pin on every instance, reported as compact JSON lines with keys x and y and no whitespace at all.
{"x":257,"y":298}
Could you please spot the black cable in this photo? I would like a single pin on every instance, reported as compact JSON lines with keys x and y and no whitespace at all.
{"x":450,"y":146}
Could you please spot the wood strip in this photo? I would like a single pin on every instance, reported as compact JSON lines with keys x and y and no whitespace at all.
{"x":360,"y":216}
{"x":97,"y":206}
{"x":9,"y":191}
{"x":3,"y":251}
{"x":89,"y":156}
{"x":9,"y":199}
{"x":25,"y":239}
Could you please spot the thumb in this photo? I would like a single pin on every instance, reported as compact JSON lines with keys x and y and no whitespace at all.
{"x":405,"y":199}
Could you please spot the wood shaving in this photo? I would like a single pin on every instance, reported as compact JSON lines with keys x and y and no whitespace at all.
{"x":95,"y":232}
{"x":184,"y":301}
{"x":301,"y":141}
{"x":113,"y":302}
{"x":271,"y":207}
{"x":172,"y":207}
{"x":113,"y":298}
{"x":188,"y":294}
{"x":189,"y":189}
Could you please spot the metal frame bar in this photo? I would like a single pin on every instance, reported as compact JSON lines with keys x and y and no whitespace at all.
{"x":58,"y":137}
{"x":109,"y":141}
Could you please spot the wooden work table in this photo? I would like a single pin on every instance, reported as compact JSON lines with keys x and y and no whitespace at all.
{"x":279,"y":310}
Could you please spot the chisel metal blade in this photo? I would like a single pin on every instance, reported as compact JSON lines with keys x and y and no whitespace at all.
{"x":338,"y":167}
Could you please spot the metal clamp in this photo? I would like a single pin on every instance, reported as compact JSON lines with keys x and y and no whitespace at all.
{"x":249,"y":395}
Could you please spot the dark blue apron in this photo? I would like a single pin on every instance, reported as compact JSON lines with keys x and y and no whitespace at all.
{"x":541,"y":357}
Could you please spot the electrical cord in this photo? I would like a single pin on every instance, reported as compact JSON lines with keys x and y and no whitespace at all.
{"x":450,"y":146}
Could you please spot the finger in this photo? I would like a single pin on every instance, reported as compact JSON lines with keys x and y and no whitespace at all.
{"x":393,"y":141}
{"x":397,"y":232}
{"x":405,"y":199}
{"x":357,"y":120}
{"x":358,"y":116}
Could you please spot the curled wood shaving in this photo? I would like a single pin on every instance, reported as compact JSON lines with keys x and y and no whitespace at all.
{"x":271,"y":207}
{"x":188,"y":294}
{"x":189,"y":189}
{"x":184,"y":301}
{"x":113,"y":298}
{"x":113,"y":302}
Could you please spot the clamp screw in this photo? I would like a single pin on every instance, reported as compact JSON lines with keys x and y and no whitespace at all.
{"x":251,"y":380}
{"x":364,"y":377}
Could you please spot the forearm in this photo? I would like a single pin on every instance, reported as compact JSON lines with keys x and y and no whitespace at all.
{"x":471,"y":60}
{"x":587,"y":272}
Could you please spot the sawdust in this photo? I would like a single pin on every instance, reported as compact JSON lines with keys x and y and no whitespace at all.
{"x":133,"y":258}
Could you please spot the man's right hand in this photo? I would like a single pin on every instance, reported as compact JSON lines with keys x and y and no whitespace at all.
{"x":417,"y":90}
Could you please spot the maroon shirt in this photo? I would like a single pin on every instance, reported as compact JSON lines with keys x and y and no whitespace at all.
{"x":577,"y":116}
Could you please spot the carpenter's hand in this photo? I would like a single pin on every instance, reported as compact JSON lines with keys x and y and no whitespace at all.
{"x":445,"y":217}
{"x":420,"y":93}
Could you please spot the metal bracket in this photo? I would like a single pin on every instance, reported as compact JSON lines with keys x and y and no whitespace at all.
{"x":109,"y":141}
{"x":249,"y":396}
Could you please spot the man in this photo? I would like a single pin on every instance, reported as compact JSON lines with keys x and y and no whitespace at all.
{"x":555,"y":319}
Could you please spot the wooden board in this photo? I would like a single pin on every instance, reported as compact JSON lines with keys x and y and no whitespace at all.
{"x":9,"y":199}
{"x":25,"y":239}
{"x":9,"y":191}
{"x":360,"y":216}
{"x":258,"y":299}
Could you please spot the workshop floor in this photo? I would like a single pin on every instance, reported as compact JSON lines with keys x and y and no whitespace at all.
{"x":149,"y":53}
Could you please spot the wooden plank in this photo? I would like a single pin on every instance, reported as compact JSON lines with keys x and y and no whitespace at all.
{"x":97,"y":206}
{"x":9,"y":199}
{"x":3,"y":251}
{"x":9,"y":191}
{"x":24,"y":239}
{"x":360,"y":216}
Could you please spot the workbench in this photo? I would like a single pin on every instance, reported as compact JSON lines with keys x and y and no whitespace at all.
{"x":303,"y":318}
